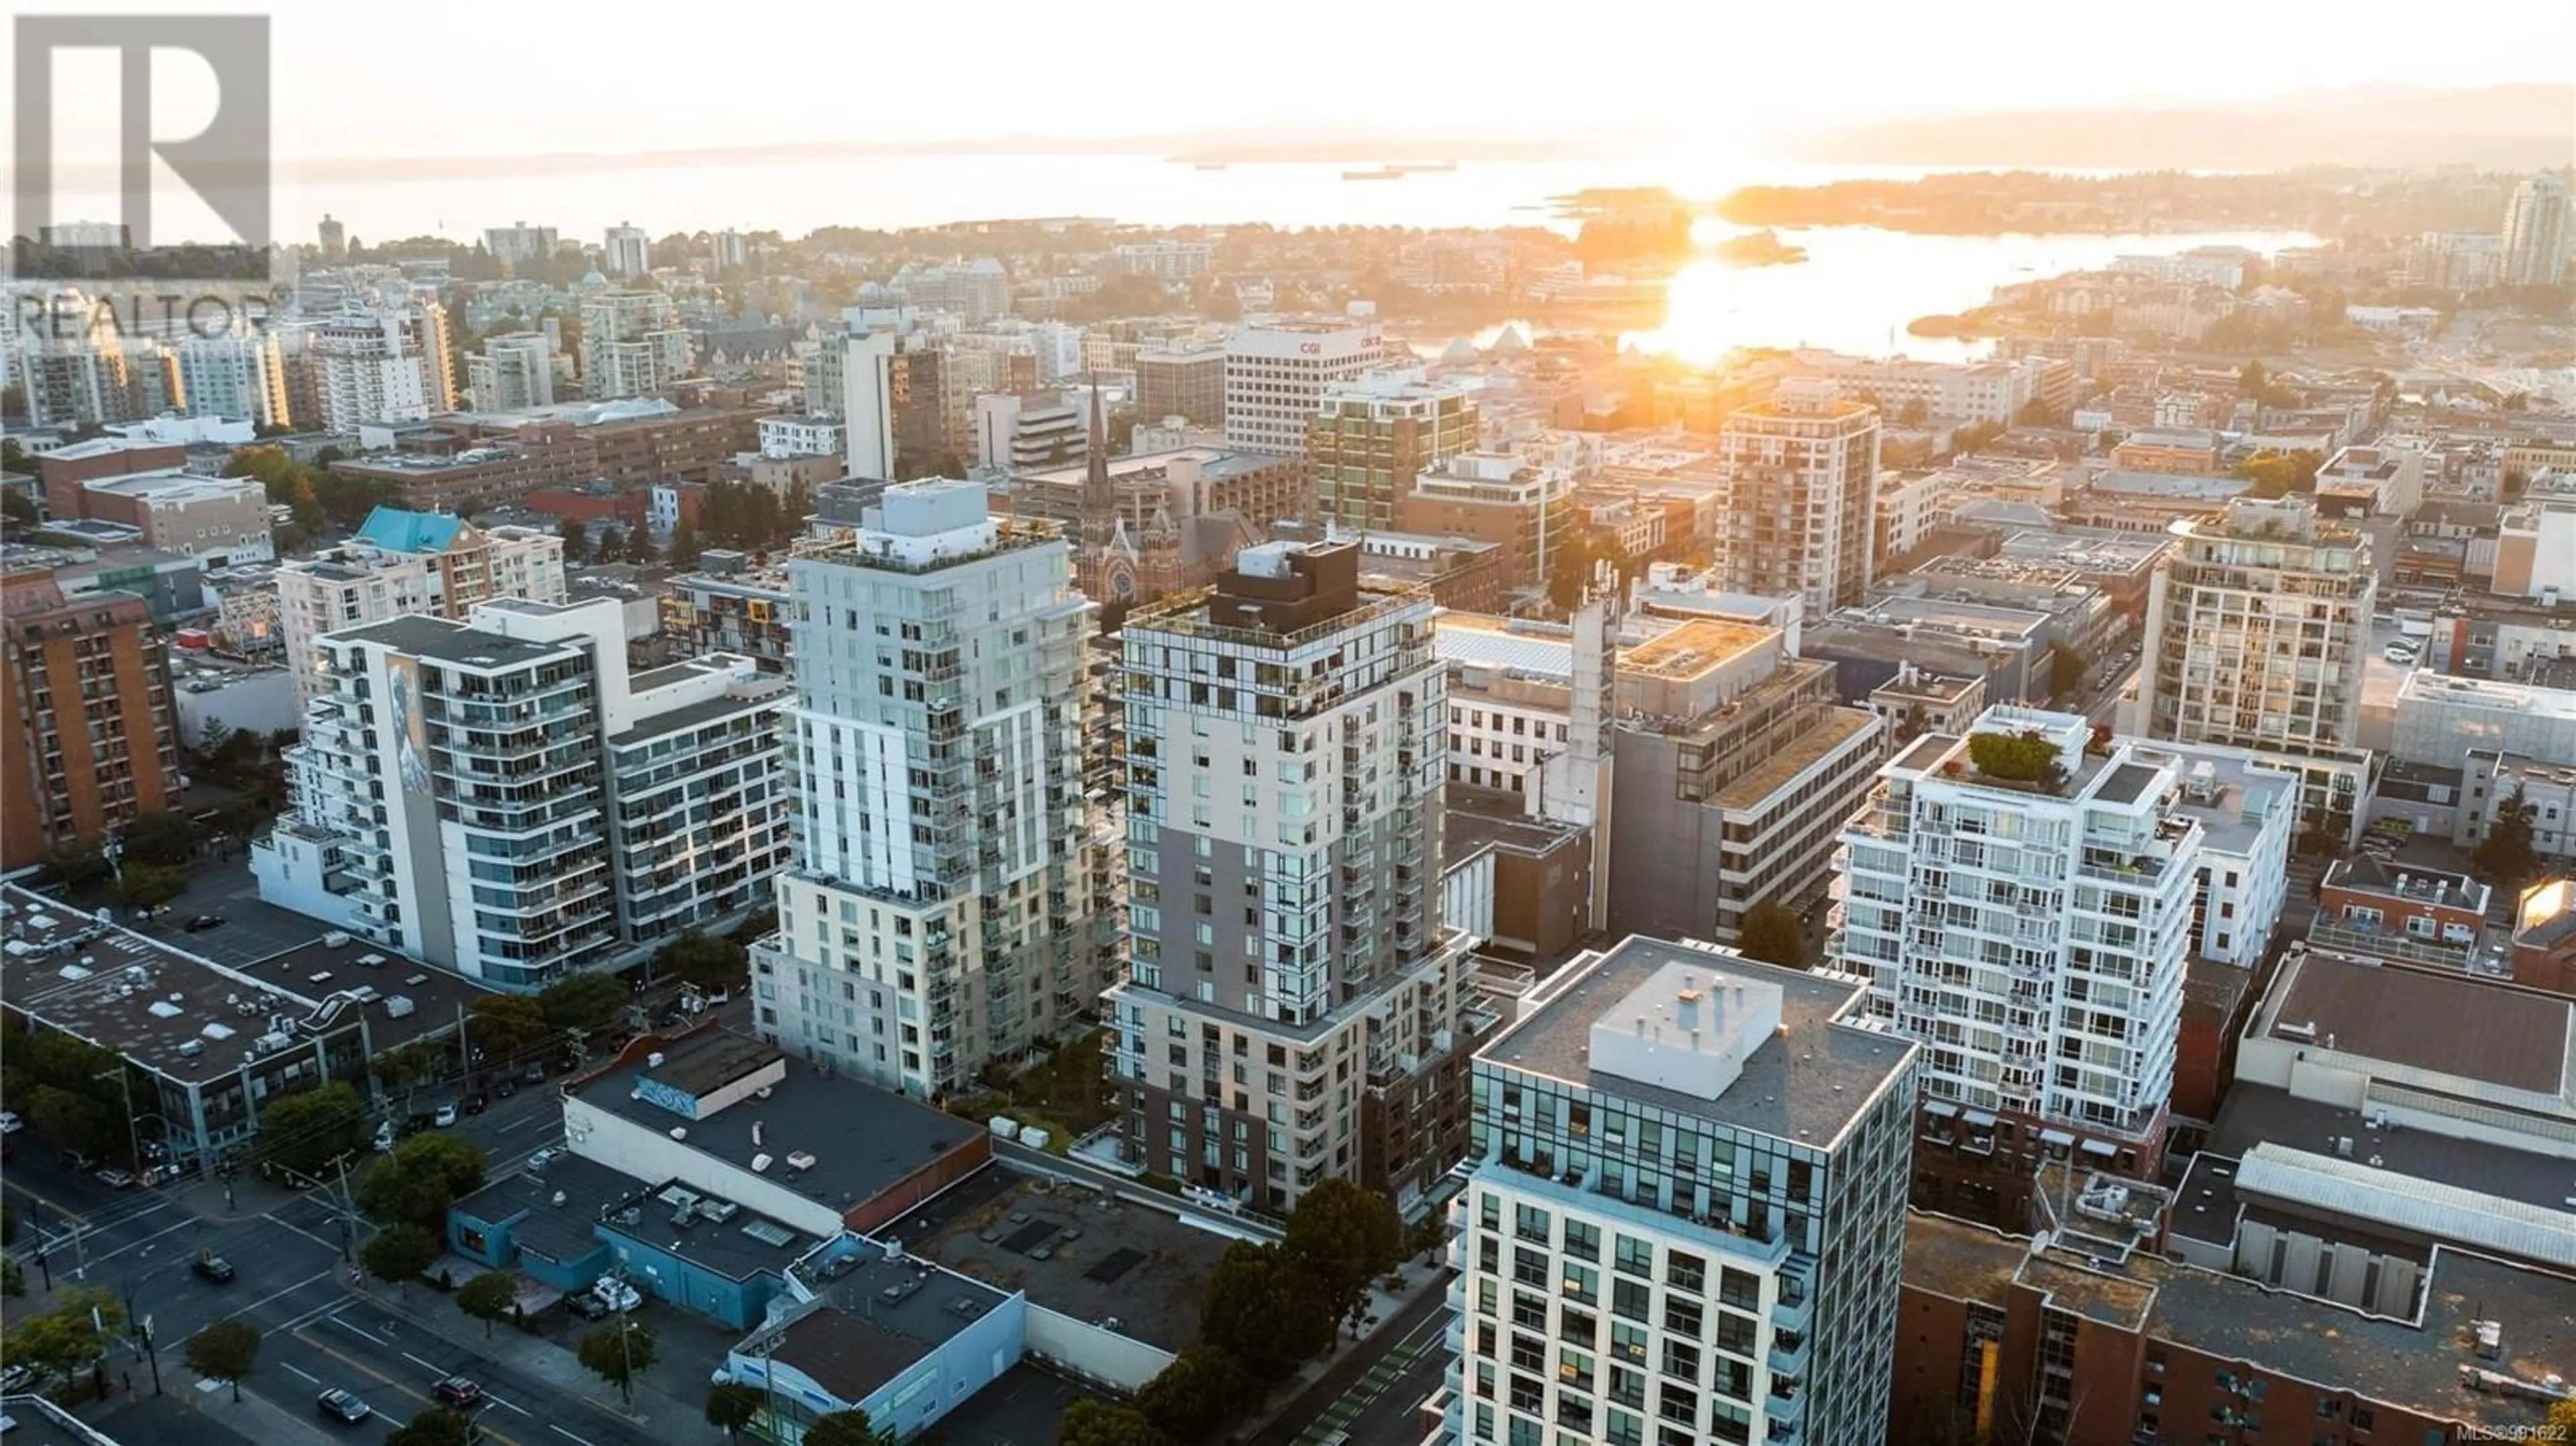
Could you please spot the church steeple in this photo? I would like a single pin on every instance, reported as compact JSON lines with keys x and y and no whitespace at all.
{"x":1099,"y":495}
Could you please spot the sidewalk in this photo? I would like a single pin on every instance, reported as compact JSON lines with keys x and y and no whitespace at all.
{"x":559,"y":1368}
{"x":253,"y":1417}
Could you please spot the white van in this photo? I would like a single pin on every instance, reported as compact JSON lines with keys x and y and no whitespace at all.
{"x":2402,"y":651}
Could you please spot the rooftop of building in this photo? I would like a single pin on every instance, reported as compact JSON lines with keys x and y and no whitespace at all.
{"x":188,"y":1018}
{"x":1214,"y":463}
{"x":2233,"y":798}
{"x":1806,"y":1085}
{"x":2429,"y":1022}
{"x":1474,"y":818}
{"x":2169,"y":486}
{"x":1076,"y":1249}
{"x":1695,"y":649}
{"x":398,"y":530}
{"x":862,"y":1139}
{"x":2422,"y":687}
{"x":2087,"y":549}
{"x":684,"y":1221}
{"x":2257,"y":1114}
{"x":1956,"y":615}
{"x":1931,"y":688}
{"x":2415,"y":883}
{"x":441,"y":640}
{"x":1831,"y":730}
{"x":556,"y":1205}
{"x":2079,"y":1288}
{"x":174,"y":485}
{"x":1955,"y":1260}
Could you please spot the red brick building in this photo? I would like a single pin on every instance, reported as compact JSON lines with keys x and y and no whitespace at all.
{"x":2399,"y":911}
{"x":2000,"y":1342}
{"x":465,"y":458}
{"x":86,"y":721}
{"x":63,"y":470}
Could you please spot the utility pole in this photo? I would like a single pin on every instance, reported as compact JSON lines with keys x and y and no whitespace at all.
{"x":133,"y":1132}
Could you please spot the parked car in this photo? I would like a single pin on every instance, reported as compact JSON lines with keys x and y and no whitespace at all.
{"x":203,"y":922}
{"x":458,"y":1391}
{"x":385,"y":1138}
{"x":616,"y":1294}
{"x":475,"y":1104}
{"x":10,"y":1124}
{"x":343,"y":1406}
{"x":212,"y":1268}
{"x":116,"y":1177}
{"x":535,"y":1073}
{"x":587,"y":1305}
{"x":506,"y":1088}
{"x":446,"y":1115}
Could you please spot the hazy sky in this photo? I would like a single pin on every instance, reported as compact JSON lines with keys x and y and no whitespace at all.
{"x":502,"y":77}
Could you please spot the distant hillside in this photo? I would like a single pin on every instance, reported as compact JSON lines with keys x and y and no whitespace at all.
{"x":2510,"y":127}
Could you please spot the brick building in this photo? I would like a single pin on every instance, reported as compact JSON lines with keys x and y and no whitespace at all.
{"x":87,"y":718}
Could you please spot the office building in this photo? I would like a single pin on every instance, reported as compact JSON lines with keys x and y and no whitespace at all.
{"x":2536,"y":232}
{"x":632,"y":345}
{"x":88,"y":719}
{"x":728,"y":607}
{"x":2258,"y":629}
{"x":2022,"y":904}
{"x":1295,"y":1008}
{"x":1182,"y":380}
{"x":72,"y":365}
{"x":514,"y":371}
{"x":386,"y":363}
{"x":399,"y":563}
{"x":519,"y":243}
{"x":977,"y":289}
{"x":729,"y":250}
{"x":1020,"y":432}
{"x":334,"y":238}
{"x":1371,"y":438}
{"x":502,"y":798}
{"x":491,"y":458}
{"x":1276,"y":374}
{"x":1523,"y":508}
{"x":800,"y":436}
{"x":240,"y":376}
{"x":1801,"y":502}
{"x":1685,"y":1220}
{"x":890,"y":399}
{"x":939,"y":914}
{"x":626,"y":251}
{"x":219,"y":521}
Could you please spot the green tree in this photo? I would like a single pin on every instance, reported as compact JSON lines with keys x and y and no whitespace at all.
{"x":684,"y":545}
{"x":1097,"y":1423}
{"x":503,"y":1025}
{"x":437,"y":1426}
{"x":2024,"y":757}
{"x":225,"y":1351}
{"x":406,"y":1067}
{"x":1263,"y":1311}
{"x":420,"y":1179}
{"x":77,"y":865}
{"x":731,"y":1405}
{"x":576,"y":539}
{"x":1913,"y":414}
{"x":846,"y":1428}
{"x":581,"y":1001}
{"x":490,"y":1298}
{"x":157,"y":838}
{"x":2562,"y":1420}
{"x":1343,"y":1237}
{"x":1198,"y":1392}
{"x":398,"y":1254}
{"x":2065,"y":671}
{"x":149,"y":886}
{"x":75,"y":1120}
{"x":612,"y":543}
{"x":1773,"y":933}
{"x":18,"y":507}
{"x":620,"y":1351}
{"x":702,"y":959}
{"x":307,"y":1130}
{"x":2506,"y":854}
{"x":69,"y":1336}
{"x":2277,"y":474}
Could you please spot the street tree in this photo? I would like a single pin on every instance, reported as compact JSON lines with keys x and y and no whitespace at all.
{"x":407,"y":1067}
{"x":1263,"y":1311}
{"x":1097,"y":1423}
{"x":157,"y":838}
{"x":225,"y":1351}
{"x":307,"y":1130}
{"x":420,"y":1179}
{"x":576,"y":539}
{"x":149,"y":886}
{"x":1343,"y":1237}
{"x":583,"y":1001}
{"x":1773,"y":933}
{"x":437,"y":1426}
{"x":491,"y":1297}
{"x":702,"y":959}
{"x":731,"y":1405}
{"x":502,"y":1025}
{"x":619,"y":1351}
{"x":399,"y":1254}
{"x":1198,"y":1392}
{"x":82,"y":1324}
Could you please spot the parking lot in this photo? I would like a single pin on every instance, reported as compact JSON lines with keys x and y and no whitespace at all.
{"x":251,"y":930}
{"x":1072,"y":1253}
